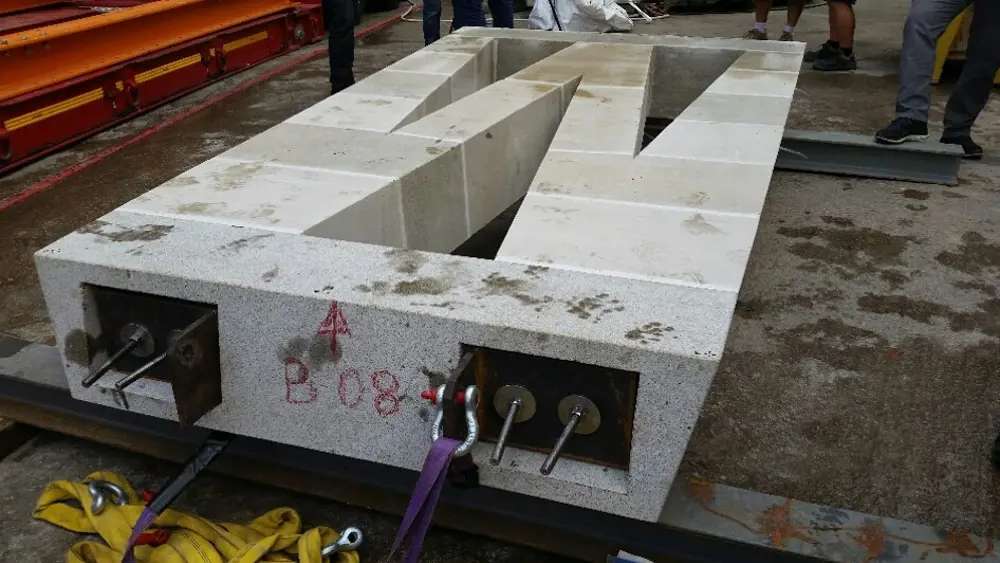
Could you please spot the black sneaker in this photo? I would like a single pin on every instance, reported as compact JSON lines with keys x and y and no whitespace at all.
{"x":901,"y":130}
{"x":836,"y":63}
{"x":972,"y":149}
{"x":825,"y":51}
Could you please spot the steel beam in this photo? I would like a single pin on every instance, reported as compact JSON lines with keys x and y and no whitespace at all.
{"x":859,"y":155}
{"x":48,"y":56}
{"x":11,"y":6}
{"x":701,"y":521}
{"x":43,"y":121}
{"x":21,"y":21}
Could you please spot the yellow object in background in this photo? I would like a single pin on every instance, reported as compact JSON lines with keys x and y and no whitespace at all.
{"x":951,"y":45}
{"x":275,"y":536}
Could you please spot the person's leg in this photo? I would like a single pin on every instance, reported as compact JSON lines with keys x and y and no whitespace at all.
{"x":842,"y":24}
{"x":831,"y":47}
{"x":502,"y":12}
{"x":477,"y":17}
{"x":794,"y":12}
{"x":759,"y":30}
{"x":925,"y":23}
{"x":761,"y":10}
{"x":339,"y":18}
{"x":831,"y":17}
{"x":840,"y":56}
{"x":468,"y":13}
{"x":432,"y":21}
{"x":982,"y":61}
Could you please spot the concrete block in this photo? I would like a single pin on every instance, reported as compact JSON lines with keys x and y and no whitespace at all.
{"x":755,"y":83}
{"x":434,"y":201}
{"x":502,"y":142}
{"x":600,"y":64}
{"x":366,"y":112}
{"x":433,"y":87}
{"x":251,"y":194}
{"x":618,"y":239}
{"x":377,"y":218}
{"x":724,"y":142}
{"x":459,"y":43}
{"x":407,"y":313}
{"x":681,"y":75}
{"x":309,"y":146}
{"x":514,"y":55}
{"x":604,"y":120}
{"x":737,"y":108}
{"x":618,"y":257}
{"x":434,"y":62}
{"x":677,"y":182}
{"x":469,"y":63}
{"x":758,"y":60}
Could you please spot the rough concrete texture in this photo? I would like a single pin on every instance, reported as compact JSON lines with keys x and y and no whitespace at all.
{"x":911,"y":464}
{"x":49,"y":457}
{"x":422,"y":173}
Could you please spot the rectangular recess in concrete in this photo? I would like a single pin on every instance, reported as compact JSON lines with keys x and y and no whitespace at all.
{"x":324,"y":243}
{"x":612,"y":392}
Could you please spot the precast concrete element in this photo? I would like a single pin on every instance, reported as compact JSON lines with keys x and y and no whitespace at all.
{"x":324,"y":244}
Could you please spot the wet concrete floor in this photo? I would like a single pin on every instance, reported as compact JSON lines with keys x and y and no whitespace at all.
{"x":861,"y":369}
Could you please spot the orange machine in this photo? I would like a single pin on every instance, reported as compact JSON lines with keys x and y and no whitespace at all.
{"x":64,"y":81}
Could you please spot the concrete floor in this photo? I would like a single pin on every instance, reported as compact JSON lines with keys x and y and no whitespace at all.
{"x":211,"y":496}
{"x":861,"y":366}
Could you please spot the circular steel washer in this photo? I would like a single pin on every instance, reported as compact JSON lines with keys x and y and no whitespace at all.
{"x":146,"y":344}
{"x":591,"y":419}
{"x":507,"y":394}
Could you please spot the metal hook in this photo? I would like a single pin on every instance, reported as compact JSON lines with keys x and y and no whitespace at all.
{"x":350,"y":540}
{"x":100,"y":491}
{"x":472,"y":424}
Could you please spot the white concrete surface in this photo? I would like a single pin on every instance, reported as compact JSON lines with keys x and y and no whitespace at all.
{"x":352,"y":207}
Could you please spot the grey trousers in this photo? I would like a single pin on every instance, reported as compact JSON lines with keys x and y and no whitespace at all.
{"x":925,"y":24}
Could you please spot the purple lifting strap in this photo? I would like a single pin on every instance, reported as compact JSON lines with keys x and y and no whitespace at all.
{"x":145,"y":519}
{"x":416,"y":521}
{"x":420,"y":512}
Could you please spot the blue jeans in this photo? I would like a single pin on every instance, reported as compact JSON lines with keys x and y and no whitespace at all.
{"x":470,"y":13}
{"x":432,"y":21}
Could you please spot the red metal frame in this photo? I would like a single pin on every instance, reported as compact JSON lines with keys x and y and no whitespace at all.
{"x":21,"y":21}
{"x":11,"y":6}
{"x":58,"y":12}
{"x":46,"y":120}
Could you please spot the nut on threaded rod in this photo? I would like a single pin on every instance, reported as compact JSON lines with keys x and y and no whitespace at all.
{"x":137,"y":341}
{"x":515,"y":404}
{"x":579,"y":415}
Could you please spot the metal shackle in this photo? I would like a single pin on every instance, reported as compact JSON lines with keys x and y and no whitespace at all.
{"x":471,"y":422}
{"x":100,"y":491}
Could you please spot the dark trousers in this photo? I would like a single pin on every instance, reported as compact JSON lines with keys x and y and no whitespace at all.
{"x":338,"y":15}
{"x":432,"y":21}
{"x":470,"y":13}
{"x":924,"y":26}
